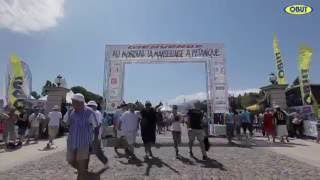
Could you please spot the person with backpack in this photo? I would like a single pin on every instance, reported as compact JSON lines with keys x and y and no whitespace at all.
{"x":195,"y":130}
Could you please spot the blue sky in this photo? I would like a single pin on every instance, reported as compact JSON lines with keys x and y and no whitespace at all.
{"x":69,"y":36}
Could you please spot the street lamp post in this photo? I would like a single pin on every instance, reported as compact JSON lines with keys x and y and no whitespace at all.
{"x":58,"y":80}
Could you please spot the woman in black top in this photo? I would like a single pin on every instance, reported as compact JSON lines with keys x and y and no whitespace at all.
{"x":148,"y":127}
{"x":23,"y":124}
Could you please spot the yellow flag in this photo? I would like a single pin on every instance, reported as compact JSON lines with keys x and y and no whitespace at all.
{"x":15,"y":90}
{"x":279,"y":64}
{"x":305,"y":54}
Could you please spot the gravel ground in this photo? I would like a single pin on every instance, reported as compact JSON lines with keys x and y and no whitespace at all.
{"x":227,"y":162}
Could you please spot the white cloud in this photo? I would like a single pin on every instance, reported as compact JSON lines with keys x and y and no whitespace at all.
{"x":30,"y":15}
{"x":191,"y":97}
{"x":203,"y":96}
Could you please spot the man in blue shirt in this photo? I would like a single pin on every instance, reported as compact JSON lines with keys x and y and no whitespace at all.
{"x":82,"y":123}
{"x":229,"y":120}
{"x":246,"y":122}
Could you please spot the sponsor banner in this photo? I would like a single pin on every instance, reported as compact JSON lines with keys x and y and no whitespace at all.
{"x":310,"y":128}
{"x":305,"y":54}
{"x":18,"y":82}
{"x":278,"y":59}
{"x":164,"y":51}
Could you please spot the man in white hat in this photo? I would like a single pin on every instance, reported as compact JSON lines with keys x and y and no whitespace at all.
{"x":97,"y":148}
{"x":55,"y":117}
{"x":82,"y":122}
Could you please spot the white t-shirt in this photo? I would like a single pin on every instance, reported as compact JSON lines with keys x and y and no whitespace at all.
{"x":129,"y":121}
{"x":35,"y":120}
{"x":54,"y":118}
{"x":99,"y":116}
{"x":176,"y":125}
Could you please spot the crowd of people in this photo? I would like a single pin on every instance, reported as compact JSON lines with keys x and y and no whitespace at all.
{"x":274,"y":122}
{"x":88,"y":128}
{"x":21,"y":127}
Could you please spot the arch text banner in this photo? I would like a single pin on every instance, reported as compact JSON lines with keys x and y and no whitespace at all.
{"x":210,"y":54}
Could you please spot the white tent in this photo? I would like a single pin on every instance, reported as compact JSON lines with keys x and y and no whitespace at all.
{"x":44,"y":98}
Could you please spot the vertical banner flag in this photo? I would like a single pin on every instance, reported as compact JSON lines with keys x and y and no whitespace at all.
{"x":18,"y":82}
{"x":279,"y":64}
{"x":305,"y":54}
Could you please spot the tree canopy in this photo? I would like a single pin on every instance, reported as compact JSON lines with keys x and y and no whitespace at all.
{"x":87,"y":94}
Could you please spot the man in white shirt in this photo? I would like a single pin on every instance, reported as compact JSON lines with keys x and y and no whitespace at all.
{"x":175,"y":120}
{"x":55,"y":118}
{"x":129,"y":123}
{"x":116,"y":119}
{"x":97,"y":148}
{"x":35,"y":119}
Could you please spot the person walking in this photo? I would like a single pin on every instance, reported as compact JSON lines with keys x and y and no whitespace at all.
{"x":229,"y":121}
{"x":148,"y":127}
{"x":297,"y":123}
{"x":23,"y":124}
{"x":55,"y":117}
{"x":176,"y":121}
{"x":245,"y":119}
{"x":269,"y":124}
{"x":120,"y":110}
{"x":82,"y":123}
{"x":237,"y":122}
{"x":97,"y":147}
{"x":9,"y":133}
{"x":195,"y":130}
{"x":281,"y":122}
{"x":35,"y":119}
{"x":129,"y":124}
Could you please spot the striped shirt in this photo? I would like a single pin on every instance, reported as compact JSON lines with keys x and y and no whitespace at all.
{"x":81,"y":127}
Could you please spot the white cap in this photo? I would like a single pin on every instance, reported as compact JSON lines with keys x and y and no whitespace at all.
{"x":78,"y":97}
{"x":92,"y":103}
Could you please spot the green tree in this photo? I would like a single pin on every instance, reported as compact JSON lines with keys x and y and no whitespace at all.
{"x":87,"y":94}
{"x":35,"y":95}
{"x":44,"y":88}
